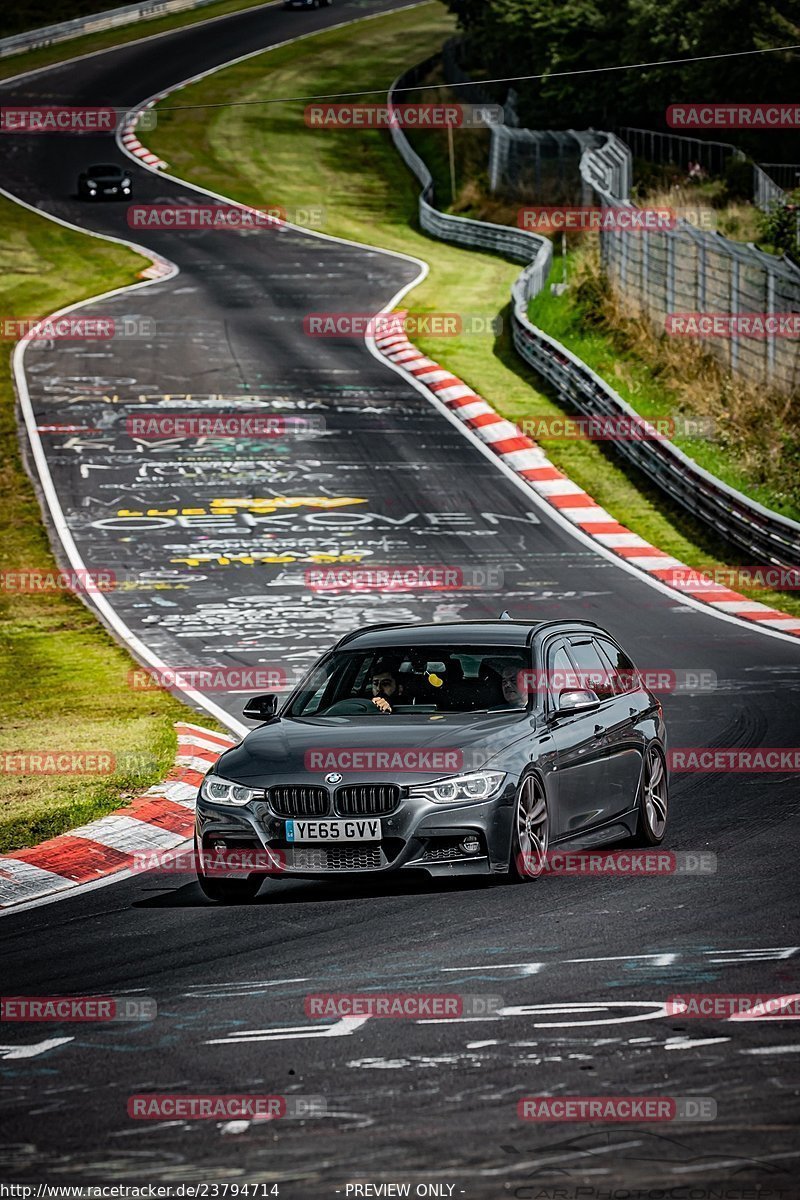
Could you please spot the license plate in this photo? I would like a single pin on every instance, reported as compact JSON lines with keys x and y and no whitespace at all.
{"x":333,"y":831}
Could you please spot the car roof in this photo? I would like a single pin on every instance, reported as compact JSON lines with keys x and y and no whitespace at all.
{"x":98,"y":167}
{"x":463,"y":633}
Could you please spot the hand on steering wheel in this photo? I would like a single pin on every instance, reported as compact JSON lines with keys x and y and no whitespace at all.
{"x":382,"y":705}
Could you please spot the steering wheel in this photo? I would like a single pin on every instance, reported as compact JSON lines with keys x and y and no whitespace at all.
{"x":356,"y":706}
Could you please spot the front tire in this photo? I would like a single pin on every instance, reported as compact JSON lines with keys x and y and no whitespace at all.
{"x":530,"y":837}
{"x":653,"y":800}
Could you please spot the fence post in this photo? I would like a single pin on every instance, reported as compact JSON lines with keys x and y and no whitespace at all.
{"x":670,"y":272}
{"x":701,"y":274}
{"x":498,"y":155}
{"x":623,"y":258}
{"x":770,"y":334}
{"x":734,"y":308}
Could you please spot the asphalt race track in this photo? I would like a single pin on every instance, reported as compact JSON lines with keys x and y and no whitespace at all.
{"x":583,"y":965}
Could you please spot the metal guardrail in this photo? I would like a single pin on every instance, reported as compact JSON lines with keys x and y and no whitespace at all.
{"x":517,"y":244}
{"x":768,"y":536}
{"x":49,"y":35}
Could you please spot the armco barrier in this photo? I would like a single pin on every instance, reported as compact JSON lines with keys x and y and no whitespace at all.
{"x":49,"y":35}
{"x":763,"y":534}
{"x":517,"y":244}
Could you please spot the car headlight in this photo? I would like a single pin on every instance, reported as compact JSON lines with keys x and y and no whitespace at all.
{"x":126,"y":182}
{"x":91,"y":183}
{"x":222,"y":791}
{"x":482,"y":785}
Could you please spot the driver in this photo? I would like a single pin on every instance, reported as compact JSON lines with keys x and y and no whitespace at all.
{"x":510,"y":684}
{"x":386,"y":685}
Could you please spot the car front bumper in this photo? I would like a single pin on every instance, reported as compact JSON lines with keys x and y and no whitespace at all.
{"x":417,"y":836}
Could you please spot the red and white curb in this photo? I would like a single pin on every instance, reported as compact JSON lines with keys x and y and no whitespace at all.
{"x":131,"y":142}
{"x":160,"y":268}
{"x":529,"y":461}
{"x":160,"y":819}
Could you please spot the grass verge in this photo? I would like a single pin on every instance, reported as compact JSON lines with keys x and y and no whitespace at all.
{"x":63,"y":679}
{"x":267,"y":155}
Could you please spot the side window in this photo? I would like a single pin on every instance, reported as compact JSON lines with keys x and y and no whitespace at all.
{"x":625,"y":677}
{"x":594,"y":672}
{"x":560,"y":673}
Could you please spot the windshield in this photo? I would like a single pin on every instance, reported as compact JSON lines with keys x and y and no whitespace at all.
{"x":424,"y":679}
{"x":105,"y":169}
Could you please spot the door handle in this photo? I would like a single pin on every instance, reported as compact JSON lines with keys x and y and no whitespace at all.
{"x":598,"y":729}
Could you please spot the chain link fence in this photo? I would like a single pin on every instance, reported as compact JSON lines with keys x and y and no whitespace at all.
{"x":685,"y":270}
{"x":675,"y":149}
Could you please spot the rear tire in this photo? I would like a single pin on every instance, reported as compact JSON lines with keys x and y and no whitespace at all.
{"x":653,"y":802}
{"x":227,"y":891}
{"x":530,"y":836}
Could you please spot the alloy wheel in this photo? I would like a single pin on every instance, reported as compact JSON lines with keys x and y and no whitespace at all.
{"x":654,"y":793}
{"x":531,"y":830}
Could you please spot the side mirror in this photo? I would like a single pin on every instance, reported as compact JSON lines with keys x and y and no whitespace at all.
{"x":260,"y":708}
{"x":577,"y":700}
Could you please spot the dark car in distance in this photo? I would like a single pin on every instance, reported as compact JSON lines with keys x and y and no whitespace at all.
{"x":307,"y":3}
{"x":104,"y":181}
{"x":457,"y":748}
